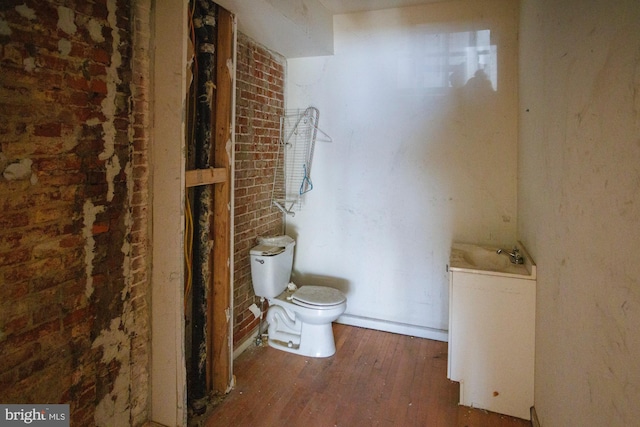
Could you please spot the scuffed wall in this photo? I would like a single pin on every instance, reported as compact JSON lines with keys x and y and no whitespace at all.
{"x":259,"y":105}
{"x":421,"y":105}
{"x":579,"y":205}
{"x":74,"y":322}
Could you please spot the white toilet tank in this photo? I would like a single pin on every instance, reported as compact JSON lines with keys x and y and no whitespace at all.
{"x":271,"y":264}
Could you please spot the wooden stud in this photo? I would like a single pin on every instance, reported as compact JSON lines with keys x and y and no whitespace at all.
{"x":205,"y":176}
{"x":220,"y":314}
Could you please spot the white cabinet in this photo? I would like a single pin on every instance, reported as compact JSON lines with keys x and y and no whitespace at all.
{"x":491,"y":340}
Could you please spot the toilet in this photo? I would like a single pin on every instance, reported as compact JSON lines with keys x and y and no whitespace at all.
{"x":299,"y":318}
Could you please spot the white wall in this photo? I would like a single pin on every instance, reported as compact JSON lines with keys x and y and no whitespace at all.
{"x":292,"y":28}
{"x":414,"y":164}
{"x":168,"y":369}
{"x":579,"y":205}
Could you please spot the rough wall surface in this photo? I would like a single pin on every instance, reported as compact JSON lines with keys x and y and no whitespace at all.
{"x":579,"y":205}
{"x":74,"y":323}
{"x":259,"y":105}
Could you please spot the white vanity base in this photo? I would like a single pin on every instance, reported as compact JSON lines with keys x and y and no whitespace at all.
{"x":491,"y":340}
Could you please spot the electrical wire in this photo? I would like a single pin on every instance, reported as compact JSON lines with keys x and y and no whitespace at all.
{"x":188,"y":234}
{"x":188,"y":249}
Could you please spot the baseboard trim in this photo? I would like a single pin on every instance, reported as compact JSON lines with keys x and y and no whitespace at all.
{"x":250,"y":340}
{"x":534,"y":418}
{"x":394,"y":327}
{"x":369,"y":323}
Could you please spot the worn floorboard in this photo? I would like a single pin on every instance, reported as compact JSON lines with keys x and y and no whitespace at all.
{"x":374,"y":379}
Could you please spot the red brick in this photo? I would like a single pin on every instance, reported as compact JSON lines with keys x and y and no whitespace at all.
{"x":99,"y":86}
{"x":59,"y":163}
{"x":14,"y":256}
{"x":48,"y":321}
{"x":77,"y":316}
{"x":79,"y":98}
{"x":77,"y":82}
{"x":257,"y":132}
{"x":16,"y":325}
{"x":99,"y":228}
{"x":12,"y":357}
{"x":46,"y":313}
{"x":101,"y":56}
{"x":31,"y":335}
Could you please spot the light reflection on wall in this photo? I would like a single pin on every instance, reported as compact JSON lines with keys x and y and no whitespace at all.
{"x":417,"y":162}
{"x":436,"y":61}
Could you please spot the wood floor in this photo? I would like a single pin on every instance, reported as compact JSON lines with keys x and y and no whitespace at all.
{"x":374,"y":379}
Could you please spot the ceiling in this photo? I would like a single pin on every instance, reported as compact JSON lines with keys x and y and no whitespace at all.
{"x":297,"y":28}
{"x":337,"y":7}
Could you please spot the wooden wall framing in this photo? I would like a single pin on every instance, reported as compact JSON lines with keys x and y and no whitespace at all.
{"x":220,"y":307}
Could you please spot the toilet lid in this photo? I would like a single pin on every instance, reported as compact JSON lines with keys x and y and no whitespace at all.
{"x":318,"y":296}
{"x":267,"y":250}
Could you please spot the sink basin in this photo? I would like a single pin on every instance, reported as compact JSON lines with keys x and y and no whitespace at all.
{"x":485,"y":260}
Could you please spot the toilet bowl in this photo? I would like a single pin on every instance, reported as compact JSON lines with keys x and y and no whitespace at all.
{"x":304,"y":327}
{"x":299,"y":318}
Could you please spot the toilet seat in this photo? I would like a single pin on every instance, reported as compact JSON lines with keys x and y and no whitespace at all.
{"x":317,"y":297}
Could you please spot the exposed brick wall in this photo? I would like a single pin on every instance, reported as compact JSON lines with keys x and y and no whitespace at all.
{"x":259,"y":105}
{"x":74,"y":312}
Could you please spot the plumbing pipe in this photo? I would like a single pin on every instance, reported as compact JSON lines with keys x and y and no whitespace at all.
{"x":279,"y":319}
{"x":204,"y":29}
{"x":259,"y":337}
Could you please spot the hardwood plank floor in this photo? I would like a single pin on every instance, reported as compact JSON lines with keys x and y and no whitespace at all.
{"x":374,"y":379}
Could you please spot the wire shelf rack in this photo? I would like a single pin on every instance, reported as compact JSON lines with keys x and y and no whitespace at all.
{"x":292,"y":178}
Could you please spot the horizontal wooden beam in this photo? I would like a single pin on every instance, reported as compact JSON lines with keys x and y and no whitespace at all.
{"x":205,"y":176}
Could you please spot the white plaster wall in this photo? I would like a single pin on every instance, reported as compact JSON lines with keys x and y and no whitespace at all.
{"x":412,"y":166}
{"x":579,"y":205}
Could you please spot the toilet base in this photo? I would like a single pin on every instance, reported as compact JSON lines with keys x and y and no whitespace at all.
{"x":314,"y":341}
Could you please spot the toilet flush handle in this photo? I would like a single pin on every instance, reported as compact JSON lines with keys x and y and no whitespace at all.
{"x":261,"y":261}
